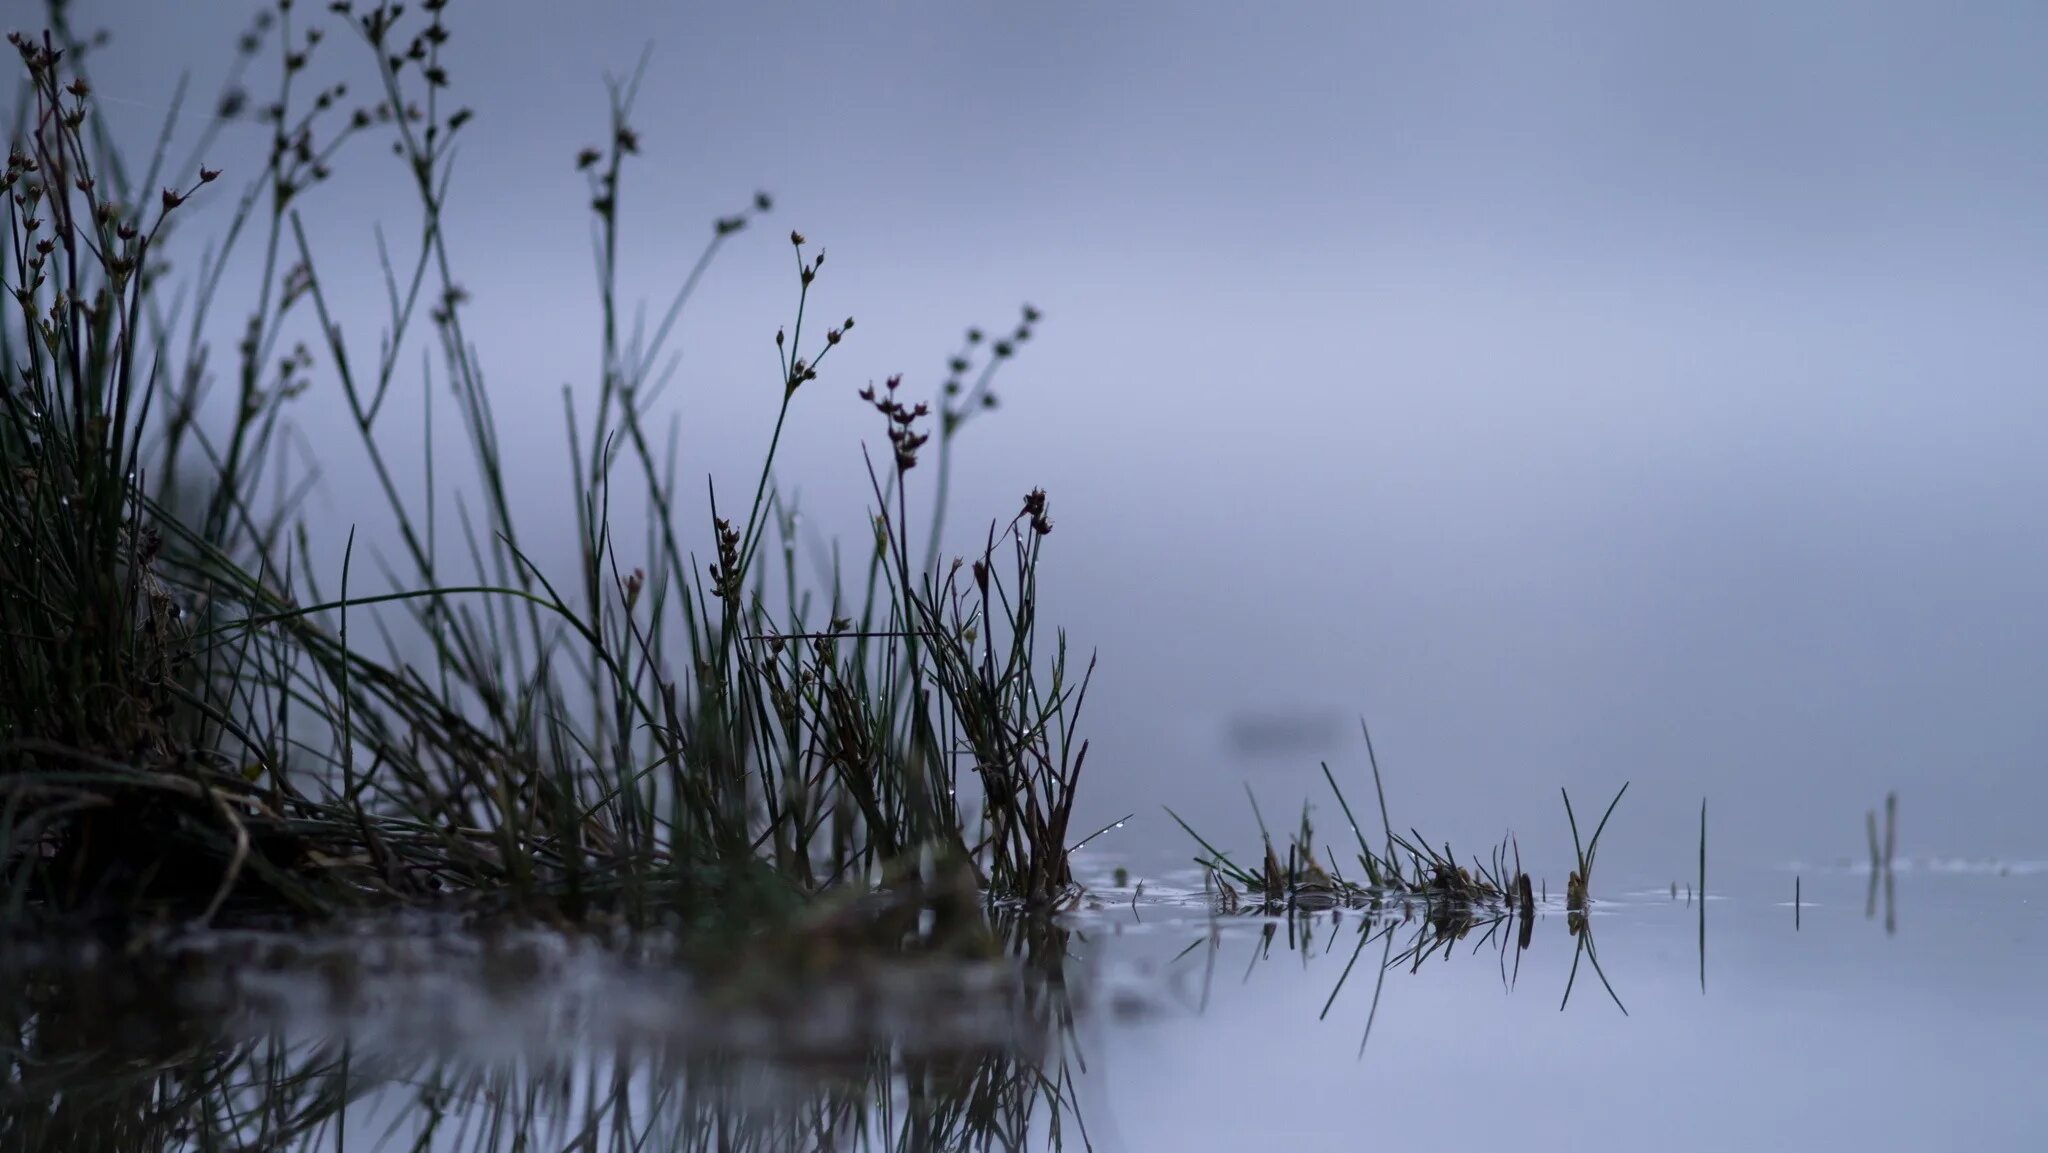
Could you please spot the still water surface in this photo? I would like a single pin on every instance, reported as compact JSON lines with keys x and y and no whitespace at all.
{"x":1867,"y":1020}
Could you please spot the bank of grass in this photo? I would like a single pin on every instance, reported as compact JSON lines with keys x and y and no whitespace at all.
{"x":199,"y":720}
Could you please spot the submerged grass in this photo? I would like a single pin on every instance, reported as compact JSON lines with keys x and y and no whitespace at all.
{"x":193,"y":724}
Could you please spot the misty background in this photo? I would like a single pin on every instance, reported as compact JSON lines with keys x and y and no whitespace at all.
{"x":1583,"y":393}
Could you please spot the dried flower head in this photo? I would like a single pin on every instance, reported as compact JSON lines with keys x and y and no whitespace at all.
{"x":635,"y":581}
{"x":1034,"y":511}
{"x":901,"y":419}
{"x":726,"y":577}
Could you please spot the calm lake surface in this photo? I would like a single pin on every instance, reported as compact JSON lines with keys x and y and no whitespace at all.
{"x":1142,"y":1021}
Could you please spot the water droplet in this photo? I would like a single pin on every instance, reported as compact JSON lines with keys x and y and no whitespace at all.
{"x":1119,"y":824}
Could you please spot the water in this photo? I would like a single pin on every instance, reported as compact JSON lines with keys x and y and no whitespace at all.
{"x":1875,"y":1017}
{"x":1836,"y":1034}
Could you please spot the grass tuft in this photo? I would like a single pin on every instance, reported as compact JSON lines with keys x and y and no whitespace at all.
{"x":1402,"y":868}
{"x":192,"y":725}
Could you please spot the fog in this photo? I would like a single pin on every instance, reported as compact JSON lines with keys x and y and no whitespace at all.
{"x":1583,"y":393}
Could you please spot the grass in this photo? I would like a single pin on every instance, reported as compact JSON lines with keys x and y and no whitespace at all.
{"x":1401,"y":867}
{"x":196,"y":720}
{"x":1491,"y":893}
{"x":1407,"y":942}
{"x":1881,"y":857}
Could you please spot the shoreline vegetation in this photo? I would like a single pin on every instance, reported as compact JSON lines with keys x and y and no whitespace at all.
{"x":196,"y":722}
{"x":676,"y":727}
{"x":675,"y":742}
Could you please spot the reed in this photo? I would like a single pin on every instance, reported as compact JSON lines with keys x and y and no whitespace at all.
{"x":1408,"y":867}
{"x":196,"y":720}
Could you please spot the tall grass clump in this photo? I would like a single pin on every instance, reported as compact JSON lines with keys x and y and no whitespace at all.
{"x":197,"y":716}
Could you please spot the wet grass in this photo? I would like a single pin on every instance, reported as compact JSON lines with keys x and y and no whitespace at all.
{"x":1881,"y":858}
{"x":1405,"y":878}
{"x":1402,"y":867}
{"x":200,"y":719}
{"x":1410,"y":933}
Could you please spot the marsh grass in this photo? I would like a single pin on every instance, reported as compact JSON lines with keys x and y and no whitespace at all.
{"x":197,"y":719}
{"x":1410,"y":934}
{"x":1582,"y":877}
{"x":1402,"y":867}
{"x":1403,"y":876}
{"x":1881,"y":857}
